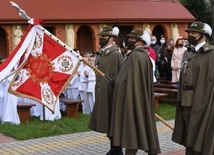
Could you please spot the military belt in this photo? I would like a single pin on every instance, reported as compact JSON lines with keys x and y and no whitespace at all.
{"x":188,"y":88}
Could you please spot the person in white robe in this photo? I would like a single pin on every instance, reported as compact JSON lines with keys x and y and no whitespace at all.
{"x":9,"y":108}
{"x":72,"y":89}
{"x":91,"y":84}
{"x":153,"y":68}
{"x":49,"y":116}
{"x":1,"y":98}
{"x":83,"y":85}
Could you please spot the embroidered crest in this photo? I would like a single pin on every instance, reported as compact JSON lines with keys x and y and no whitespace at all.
{"x":47,"y":95}
{"x":18,"y":80}
{"x":40,"y":68}
{"x":65,"y":63}
{"x":38,"y":41}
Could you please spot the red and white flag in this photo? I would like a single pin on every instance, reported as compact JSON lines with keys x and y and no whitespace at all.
{"x":19,"y":56}
{"x":47,"y":71}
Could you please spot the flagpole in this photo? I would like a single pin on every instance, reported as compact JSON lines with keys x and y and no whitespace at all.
{"x":23,"y":14}
{"x":163,"y":121}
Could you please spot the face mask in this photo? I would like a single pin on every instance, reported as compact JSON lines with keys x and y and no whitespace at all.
{"x":103,"y":41}
{"x":180,"y":45}
{"x":131,"y":45}
{"x":153,"y":42}
{"x":192,"y":40}
{"x":162,"y":41}
{"x":168,"y":51}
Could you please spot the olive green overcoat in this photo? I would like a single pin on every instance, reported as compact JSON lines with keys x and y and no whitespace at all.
{"x":197,"y":71}
{"x":133,"y":118}
{"x":108,"y":62}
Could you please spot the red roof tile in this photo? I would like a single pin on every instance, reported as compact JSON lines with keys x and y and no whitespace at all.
{"x":91,"y":11}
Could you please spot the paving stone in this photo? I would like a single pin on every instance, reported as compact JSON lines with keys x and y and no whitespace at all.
{"x":84,"y":143}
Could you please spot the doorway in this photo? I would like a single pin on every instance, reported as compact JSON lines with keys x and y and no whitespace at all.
{"x":85,"y":40}
{"x":158,"y":31}
{"x":3,"y":44}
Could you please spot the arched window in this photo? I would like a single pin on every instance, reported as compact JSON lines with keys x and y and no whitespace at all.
{"x":158,"y":31}
{"x":3,"y":44}
{"x":84,"y":39}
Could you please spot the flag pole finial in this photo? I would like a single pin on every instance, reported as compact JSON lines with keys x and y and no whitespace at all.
{"x":22,"y":13}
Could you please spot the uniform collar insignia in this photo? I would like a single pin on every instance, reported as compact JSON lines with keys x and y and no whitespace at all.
{"x":107,"y":51}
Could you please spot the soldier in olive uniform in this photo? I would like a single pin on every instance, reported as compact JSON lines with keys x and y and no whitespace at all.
{"x":133,"y":118}
{"x":108,"y":60}
{"x":194,"y":121}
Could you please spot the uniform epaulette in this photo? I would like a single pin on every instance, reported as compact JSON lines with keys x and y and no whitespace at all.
{"x":110,"y":49}
{"x":207,"y":48}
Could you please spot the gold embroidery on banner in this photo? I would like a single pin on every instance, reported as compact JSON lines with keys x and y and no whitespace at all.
{"x":38,"y":41}
{"x":40,"y":68}
{"x":18,"y":80}
{"x":65,"y":62}
{"x":48,"y":95}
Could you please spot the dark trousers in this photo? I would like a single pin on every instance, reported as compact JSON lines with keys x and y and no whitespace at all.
{"x":161,"y":71}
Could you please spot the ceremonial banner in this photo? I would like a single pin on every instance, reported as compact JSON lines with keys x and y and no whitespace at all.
{"x":21,"y":52}
{"x":48,"y":70}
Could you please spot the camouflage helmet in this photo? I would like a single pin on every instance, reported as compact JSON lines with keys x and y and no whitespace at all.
{"x":109,"y":31}
{"x":141,"y":35}
{"x":200,"y":27}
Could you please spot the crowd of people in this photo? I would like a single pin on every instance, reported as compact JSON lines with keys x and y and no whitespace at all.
{"x":169,"y":56}
{"x":124,"y":107}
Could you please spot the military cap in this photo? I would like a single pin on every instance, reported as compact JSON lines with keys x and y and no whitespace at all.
{"x":200,"y":27}
{"x":109,"y":31}
{"x":141,"y":35}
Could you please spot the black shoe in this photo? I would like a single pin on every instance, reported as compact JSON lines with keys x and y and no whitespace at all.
{"x":115,"y":152}
{"x":110,"y":152}
{"x":118,"y":153}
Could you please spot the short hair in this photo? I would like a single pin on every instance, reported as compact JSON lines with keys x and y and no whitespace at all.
{"x":154,"y":37}
{"x":87,"y":51}
{"x":162,"y":37}
{"x":93,"y":55}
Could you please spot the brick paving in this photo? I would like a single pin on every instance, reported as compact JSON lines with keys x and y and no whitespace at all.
{"x":5,"y":139}
{"x":177,"y":152}
{"x":84,"y":143}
